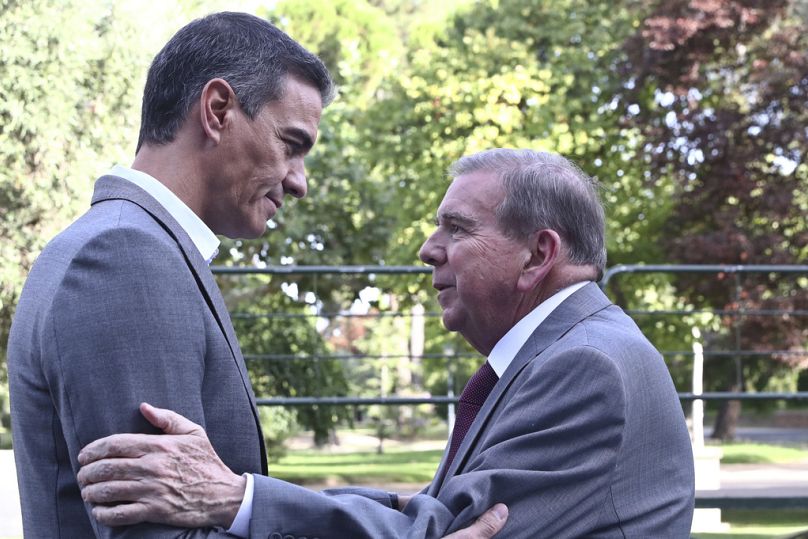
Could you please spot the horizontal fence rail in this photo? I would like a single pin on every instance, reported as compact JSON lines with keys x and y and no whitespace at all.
{"x":610,"y":273}
{"x":400,"y":401}
{"x":608,"y":276}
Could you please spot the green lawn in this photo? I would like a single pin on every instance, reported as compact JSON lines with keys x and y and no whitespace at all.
{"x":393,"y":466}
{"x":400,"y":465}
{"x":760,"y":524}
{"x":747,"y":453}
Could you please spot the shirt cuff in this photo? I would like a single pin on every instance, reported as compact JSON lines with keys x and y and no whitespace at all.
{"x":241,"y":524}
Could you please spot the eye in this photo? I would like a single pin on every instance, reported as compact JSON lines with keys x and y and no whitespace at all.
{"x":293,"y":147}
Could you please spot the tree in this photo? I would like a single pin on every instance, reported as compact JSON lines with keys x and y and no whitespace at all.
{"x":535,"y":74}
{"x":729,"y":80}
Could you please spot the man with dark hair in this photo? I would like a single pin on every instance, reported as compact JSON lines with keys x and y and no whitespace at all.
{"x":121,"y":306}
{"x":573,"y":421}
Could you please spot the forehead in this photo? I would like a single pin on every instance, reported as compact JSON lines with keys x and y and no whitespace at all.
{"x":476,"y":194}
{"x":300,"y":106}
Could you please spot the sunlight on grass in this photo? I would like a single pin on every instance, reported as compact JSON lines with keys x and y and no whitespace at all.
{"x":747,"y":453}
{"x":760,"y":524}
{"x":306,"y":467}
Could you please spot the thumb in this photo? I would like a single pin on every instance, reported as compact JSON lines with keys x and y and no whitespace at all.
{"x":493,"y":520}
{"x":485,"y":527}
{"x":170,"y":422}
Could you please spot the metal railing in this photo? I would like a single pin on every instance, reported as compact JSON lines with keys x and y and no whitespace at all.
{"x":609,"y":275}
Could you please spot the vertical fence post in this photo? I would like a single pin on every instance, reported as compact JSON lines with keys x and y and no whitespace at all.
{"x":449,"y":353}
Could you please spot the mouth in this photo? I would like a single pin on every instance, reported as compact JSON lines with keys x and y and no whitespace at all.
{"x":441,"y":286}
{"x":276,"y":201}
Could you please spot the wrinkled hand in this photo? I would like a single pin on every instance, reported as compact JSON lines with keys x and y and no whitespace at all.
{"x":174,"y":478}
{"x":485,"y":527}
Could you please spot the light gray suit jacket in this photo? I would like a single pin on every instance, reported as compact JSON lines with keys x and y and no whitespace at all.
{"x":118,"y":309}
{"x":583,"y":436}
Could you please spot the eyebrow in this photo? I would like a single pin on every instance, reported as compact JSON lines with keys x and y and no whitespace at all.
{"x":304,"y":139}
{"x":454,"y":217}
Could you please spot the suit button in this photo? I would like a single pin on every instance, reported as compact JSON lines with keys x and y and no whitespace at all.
{"x":275,"y":536}
{"x":288,"y":537}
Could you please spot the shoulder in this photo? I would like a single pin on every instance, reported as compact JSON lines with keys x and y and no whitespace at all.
{"x":110,"y":224}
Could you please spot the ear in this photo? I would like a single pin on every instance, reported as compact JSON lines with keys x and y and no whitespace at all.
{"x":217,"y":107}
{"x":544,"y":248}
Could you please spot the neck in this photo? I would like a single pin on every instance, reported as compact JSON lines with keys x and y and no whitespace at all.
{"x":169,"y":165}
{"x":557,"y":280}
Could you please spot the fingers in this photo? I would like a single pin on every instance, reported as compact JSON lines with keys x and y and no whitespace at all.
{"x":136,"y":445}
{"x":112,"y":492}
{"x":169,"y":421}
{"x":121,"y":515}
{"x":115,"y":446}
{"x":110,"y":470}
{"x":485,"y":527}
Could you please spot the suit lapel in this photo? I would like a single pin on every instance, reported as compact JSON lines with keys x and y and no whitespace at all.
{"x":580,"y":305}
{"x":114,"y":188}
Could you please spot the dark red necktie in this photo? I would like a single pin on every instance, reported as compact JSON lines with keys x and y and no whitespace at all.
{"x":471,"y":400}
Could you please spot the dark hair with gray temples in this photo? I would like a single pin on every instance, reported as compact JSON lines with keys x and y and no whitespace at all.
{"x":544,"y":190}
{"x":251,"y":54}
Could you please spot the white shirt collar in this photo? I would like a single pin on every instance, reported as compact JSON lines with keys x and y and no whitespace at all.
{"x":203,"y":237}
{"x":510,"y":344}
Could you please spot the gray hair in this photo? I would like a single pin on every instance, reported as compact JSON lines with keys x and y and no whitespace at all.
{"x":545,"y":191}
{"x":251,"y":54}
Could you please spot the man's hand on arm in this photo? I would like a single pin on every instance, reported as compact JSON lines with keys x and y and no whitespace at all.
{"x":177,"y":480}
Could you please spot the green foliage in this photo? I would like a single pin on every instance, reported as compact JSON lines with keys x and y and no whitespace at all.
{"x":519,"y":74}
{"x":722,"y":99}
{"x":69,"y":74}
{"x":274,"y":329}
{"x":277,"y":424}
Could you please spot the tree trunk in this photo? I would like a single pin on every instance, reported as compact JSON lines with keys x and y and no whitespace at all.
{"x":727,"y":418}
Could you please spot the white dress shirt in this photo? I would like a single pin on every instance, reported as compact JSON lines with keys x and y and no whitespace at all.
{"x":501,"y":356}
{"x":205,"y":240}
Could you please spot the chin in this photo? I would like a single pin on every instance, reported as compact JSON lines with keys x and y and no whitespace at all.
{"x":253,"y":230}
{"x":451,"y":323}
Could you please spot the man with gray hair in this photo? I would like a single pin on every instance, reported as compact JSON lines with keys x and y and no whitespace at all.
{"x":573,"y":420}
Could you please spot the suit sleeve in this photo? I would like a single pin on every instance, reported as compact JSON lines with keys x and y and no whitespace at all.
{"x":548,"y":456}
{"x":125,"y":326}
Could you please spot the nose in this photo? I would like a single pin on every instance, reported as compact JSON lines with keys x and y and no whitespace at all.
{"x":295,"y":182}
{"x":432,"y":252}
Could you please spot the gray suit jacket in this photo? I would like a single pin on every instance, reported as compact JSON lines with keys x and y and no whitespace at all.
{"x":118,"y":309}
{"x":583,"y":436}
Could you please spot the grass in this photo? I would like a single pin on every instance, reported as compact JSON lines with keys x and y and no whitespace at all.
{"x":760,"y":524}
{"x":400,"y":465}
{"x":393,"y":466}
{"x":748,"y":453}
